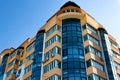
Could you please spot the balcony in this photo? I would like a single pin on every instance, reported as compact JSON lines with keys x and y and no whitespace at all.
{"x":70,"y":15}
{"x":93,"y":70}
{"x":11,"y":77}
{"x":54,"y":57}
{"x":54,"y":71}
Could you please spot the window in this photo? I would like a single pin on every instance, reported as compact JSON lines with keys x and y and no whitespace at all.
{"x":118,"y":76}
{"x":52,"y":65}
{"x":56,"y":27}
{"x":73,"y":61}
{"x":27,"y":69}
{"x":54,"y":77}
{"x":22,"y":53}
{"x":114,"y":44}
{"x":94,"y":77}
{"x":115,"y":54}
{"x":17,"y":52}
{"x":15,"y":61}
{"x":70,"y":10}
{"x":52,"y":40}
{"x":95,"y":64}
{"x":117,"y":65}
{"x":89,"y":37}
{"x":11,"y":79}
{"x":52,"y":52}
{"x":29,"y":57}
{"x":106,"y":55}
{"x":87,"y":26}
{"x":2,"y":66}
{"x":93,"y":50}
{"x":20,"y":62}
{"x":30,"y":47}
{"x":28,"y":78}
{"x":18,"y":73}
{"x":12,"y":71}
{"x":38,"y":54}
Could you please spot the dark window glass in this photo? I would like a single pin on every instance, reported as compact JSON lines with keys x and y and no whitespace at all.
{"x":87,"y":26}
{"x":94,"y":51}
{"x":52,"y":65}
{"x":2,"y":67}
{"x":95,"y":64}
{"x":94,"y":77}
{"x":54,"y":28}
{"x":52,"y":40}
{"x":72,"y":10}
{"x":89,"y":37}
{"x":72,"y":50}
{"x":30,"y":47}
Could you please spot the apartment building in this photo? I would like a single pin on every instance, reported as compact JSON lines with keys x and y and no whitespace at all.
{"x":72,"y":45}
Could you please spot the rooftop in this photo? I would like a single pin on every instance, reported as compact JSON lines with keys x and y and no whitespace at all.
{"x":69,"y":3}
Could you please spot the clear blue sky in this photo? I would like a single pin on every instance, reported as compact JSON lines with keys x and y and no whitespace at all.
{"x":21,"y":19}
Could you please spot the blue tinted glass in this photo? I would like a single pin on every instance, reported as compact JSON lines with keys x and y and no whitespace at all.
{"x":2,"y":67}
{"x":31,"y":47}
{"x":36,"y":66}
{"x":72,"y":50}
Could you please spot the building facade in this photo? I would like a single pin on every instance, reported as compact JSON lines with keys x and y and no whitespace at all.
{"x":72,"y":45}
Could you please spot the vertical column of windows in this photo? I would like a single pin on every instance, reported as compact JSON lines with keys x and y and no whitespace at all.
{"x":73,"y":63}
{"x":54,"y":77}
{"x":106,"y":54}
{"x":38,"y":53}
{"x":2,"y":67}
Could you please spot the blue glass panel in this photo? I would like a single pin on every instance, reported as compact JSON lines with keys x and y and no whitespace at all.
{"x":106,"y":55}
{"x":2,"y":67}
{"x":72,"y":50}
{"x":36,"y":66}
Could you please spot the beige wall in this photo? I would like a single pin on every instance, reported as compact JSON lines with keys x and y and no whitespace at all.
{"x":52,"y":46}
{"x":27,"y":74}
{"x":55,"y":57}
{"x":87,"y":31}
{"x":52,"y":72}
{"x":91,"y":70}
{"x":94,"y":57}
{"x":88,"y":42}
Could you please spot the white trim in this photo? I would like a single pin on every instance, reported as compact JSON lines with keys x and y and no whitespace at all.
{"x":42,"y":56}
{"x":110,"y":56}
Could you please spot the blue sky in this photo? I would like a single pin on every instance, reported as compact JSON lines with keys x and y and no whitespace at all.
{"x":21,"y":19}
